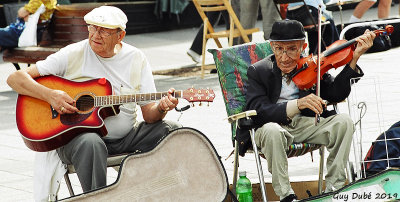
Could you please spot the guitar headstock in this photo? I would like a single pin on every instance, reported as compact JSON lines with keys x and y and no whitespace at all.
{"x":198,"y":95}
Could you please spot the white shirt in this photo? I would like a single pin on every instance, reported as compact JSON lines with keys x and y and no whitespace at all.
{"x":290,"y":94}
{"x":288,"y":91}
{"x":78,"y":62}
{"x":128,"y":72}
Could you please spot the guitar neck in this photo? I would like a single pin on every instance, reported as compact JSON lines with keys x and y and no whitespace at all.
{"x":123,"y":99}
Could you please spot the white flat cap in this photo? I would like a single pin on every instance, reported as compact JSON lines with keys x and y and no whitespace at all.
{"x":107,"y":16}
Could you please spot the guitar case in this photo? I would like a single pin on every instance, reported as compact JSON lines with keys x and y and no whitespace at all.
{"x":184,"y":166}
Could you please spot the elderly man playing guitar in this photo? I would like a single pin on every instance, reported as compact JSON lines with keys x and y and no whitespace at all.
{"x":102,"y":55}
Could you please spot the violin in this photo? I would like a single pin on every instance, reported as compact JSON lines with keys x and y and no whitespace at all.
{"x":336,"y":55}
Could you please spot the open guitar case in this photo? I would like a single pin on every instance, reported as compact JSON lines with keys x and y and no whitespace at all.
{"x":184,"y":166}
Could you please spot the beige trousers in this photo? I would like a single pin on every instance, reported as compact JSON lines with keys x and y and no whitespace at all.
{"x":335,"y":132}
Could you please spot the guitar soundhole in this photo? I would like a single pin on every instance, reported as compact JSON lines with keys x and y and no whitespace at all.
{"x":85,"y":103}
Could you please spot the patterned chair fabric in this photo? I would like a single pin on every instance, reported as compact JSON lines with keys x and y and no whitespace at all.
{"x":232,"y":64}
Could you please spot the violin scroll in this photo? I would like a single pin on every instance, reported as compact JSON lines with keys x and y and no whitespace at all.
{"x":384,"y":32}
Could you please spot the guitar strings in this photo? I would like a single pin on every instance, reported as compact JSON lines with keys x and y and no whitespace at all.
{"x":87,"y":101}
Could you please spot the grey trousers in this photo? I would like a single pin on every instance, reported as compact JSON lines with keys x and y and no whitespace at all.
{"x":249,"y":14}
{"x":335,"y":132}
{"x":88,"y":152}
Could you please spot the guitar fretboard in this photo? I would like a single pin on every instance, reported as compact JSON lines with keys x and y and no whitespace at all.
{"x":122,"y":99}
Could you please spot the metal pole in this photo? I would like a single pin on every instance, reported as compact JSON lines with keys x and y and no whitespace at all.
{"x":259,"y":167}
{"x":321,"y":169}
{"x":349,"y":172}
{"x":235,"y":167}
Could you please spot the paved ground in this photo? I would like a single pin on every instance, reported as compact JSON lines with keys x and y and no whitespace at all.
{"x":166,"y":50}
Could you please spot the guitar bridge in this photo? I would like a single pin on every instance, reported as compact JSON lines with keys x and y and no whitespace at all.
{"x":54,"y":113}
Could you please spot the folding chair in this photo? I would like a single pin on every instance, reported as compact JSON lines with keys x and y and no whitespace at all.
{"x":232,"y":64}
{"x":112,"y":161}
{"x":281,"y":6}
{"x":236,"y":29}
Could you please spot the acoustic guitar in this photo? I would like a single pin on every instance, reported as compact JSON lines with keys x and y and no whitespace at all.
{"x":43,"y":129}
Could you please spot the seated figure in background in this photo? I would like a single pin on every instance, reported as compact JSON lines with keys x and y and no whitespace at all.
{"x":298,"y":11}
{"x":9,"y":35}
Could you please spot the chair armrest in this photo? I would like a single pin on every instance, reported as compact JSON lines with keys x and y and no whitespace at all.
{"x":241,"y":115}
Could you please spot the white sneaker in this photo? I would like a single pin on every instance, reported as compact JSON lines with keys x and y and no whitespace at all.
{"x":195,"y":57}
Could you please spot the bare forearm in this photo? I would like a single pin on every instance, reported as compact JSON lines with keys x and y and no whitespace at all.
{"x":24,"y":84}
{"x":22,"y":12}
{"x":364,"y":42}
{"x":152,"y":113}
{"x":353,"y":62}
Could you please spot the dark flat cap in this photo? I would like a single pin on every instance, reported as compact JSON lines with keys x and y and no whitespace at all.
{"x":287,"y":30}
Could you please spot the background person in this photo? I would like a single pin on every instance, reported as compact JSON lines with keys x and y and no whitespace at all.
{"x":9,"y":35}
{"x":363,"y":6}
{"x":249,"y":14}
{"x":298,"y":11}
{"x":197,"y":45}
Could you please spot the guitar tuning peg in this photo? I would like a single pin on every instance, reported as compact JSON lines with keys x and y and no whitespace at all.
{"x":192,"y":104}
{"x":200,"y":104}
{"x":208,"y":104}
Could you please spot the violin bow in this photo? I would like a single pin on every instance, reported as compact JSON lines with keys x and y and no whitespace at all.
{"x":318,"y":91}
{"x":317,"y":116}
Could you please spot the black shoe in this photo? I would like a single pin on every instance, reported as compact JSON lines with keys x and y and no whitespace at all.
{"x":289,"y":198}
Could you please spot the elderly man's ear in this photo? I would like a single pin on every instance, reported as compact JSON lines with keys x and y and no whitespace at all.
{"x":122,"y":34}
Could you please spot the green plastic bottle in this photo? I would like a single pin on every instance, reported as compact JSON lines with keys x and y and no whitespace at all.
{"x":243,"y":188}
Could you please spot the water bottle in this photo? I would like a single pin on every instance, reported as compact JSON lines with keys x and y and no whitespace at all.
{"x":243,"y":188}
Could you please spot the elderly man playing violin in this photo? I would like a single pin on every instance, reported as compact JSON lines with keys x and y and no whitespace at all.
{"x":286,"y":114}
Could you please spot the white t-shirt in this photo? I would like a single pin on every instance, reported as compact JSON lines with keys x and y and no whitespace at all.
{"x":128,"y":72}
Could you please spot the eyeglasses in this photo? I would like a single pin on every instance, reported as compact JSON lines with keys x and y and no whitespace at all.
{"x":102,"y":32}
{"x":291,"y":51}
